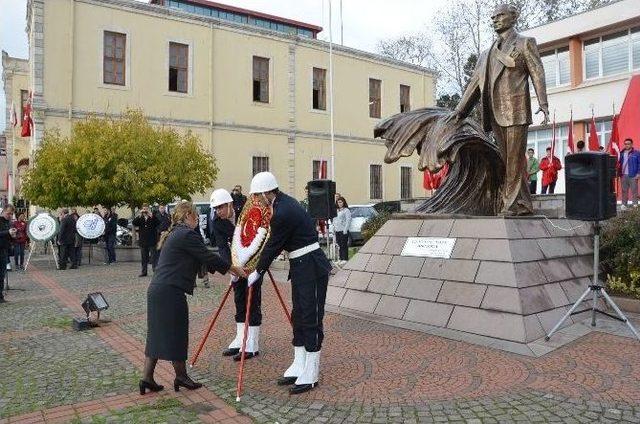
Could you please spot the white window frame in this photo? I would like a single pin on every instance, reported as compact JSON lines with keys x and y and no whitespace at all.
{"x":630,"y":68}
{"x":410,"y":96}
{"x":556,"y":63}
{"x":127,"y":58}
{"x":379,"y":78}
{"x":190,"y":44}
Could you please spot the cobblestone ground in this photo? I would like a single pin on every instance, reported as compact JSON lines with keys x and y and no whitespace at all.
{"x":371,"y":373}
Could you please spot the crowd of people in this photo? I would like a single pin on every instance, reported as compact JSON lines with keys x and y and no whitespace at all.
{"x":628,"y":171}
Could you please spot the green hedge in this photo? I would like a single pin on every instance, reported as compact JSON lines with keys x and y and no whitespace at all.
{"x":372,"y":225}
{"x":620,"y":253}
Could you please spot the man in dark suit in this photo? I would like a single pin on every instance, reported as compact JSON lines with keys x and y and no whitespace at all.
{"x":239,"y":200}
{"x":110,"y":231}
{"x":500,"y":84}
{"x":67,"y":240}
{"x":6,"y":234}
{"x":293,"y":230}
{"x":147,"y":226}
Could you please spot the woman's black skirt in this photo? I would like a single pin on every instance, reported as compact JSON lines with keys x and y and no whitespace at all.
{"x":167,"y":323}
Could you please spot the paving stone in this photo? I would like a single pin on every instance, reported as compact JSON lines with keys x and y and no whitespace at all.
{"x":466,"y":294}
{"x":511,"y":275}
{"x":405,"y":265}
{"x":556,"y":294}
{"x":581,"y":266}
{"x":460,"y":270}
{"x":358,"y":262}
{"x":360,"y":301}
{"x":419,"y":288}
{"x":428,"y":313}
{"x":556,"y":247}
{"x":531,"y":228}
{"x":395,"y":245}
{"x":358,"y":280}
{"x":400,"y":228}
{"x":340,"y":278}
{"x":393,"y":307}
{"x":505,"y":299}
{"x":556,"y":270}
{"x":375,"y":244}
{"x":378,"y":263}
{"x":574,"y":288}
{"x":550,"y":318}
{"x":335,"y":295}
{"x":488,"y":323}
{"x":583,"y":245}
{"x":436,"y":228}
{"x":483,"y":229}
{"x":384,"y":283}
{"x":464,"y":248}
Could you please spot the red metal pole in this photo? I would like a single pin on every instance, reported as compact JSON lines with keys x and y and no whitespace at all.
{"x":284,"y":306}
{"x":244,"y":345}
{"x":213,"y":321}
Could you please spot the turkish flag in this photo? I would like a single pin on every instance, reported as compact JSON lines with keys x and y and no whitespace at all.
{"x":27,"y":122}
{"x":432,"y":181}
{"x":594,"y":141}
{"x":570,"y":146}
{"x":613,"y":147}
{"x":426,"y":180}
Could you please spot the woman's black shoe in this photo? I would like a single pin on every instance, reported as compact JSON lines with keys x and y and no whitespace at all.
{"x":247,"y":355}
{"x":230,"y":351}
{"x":153,"y":387}
{"x":191,"y":385}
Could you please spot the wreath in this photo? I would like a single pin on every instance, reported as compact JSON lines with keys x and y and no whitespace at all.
{"x":251,"y":234}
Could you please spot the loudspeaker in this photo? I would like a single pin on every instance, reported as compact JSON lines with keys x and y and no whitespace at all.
{"x":590,"y":183}
{"x":322,"y":203}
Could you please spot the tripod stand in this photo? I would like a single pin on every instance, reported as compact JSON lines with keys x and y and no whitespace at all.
{"x":595,"y":289}
{"x":246,"y":328}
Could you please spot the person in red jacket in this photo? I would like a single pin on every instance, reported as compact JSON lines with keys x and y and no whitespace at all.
{"x":549,"y":165}
{"x":20,"y":242}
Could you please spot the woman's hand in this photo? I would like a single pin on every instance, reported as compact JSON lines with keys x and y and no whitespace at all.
{"x":238,"y":271}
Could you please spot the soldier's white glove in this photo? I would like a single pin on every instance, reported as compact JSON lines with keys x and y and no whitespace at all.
{"x":234,"y":279}
{"x":253,"y":277}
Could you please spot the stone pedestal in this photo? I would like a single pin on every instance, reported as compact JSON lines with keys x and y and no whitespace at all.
{"x":508,"y":279}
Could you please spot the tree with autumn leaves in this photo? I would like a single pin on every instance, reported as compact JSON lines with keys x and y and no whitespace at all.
{"x":118,"y":161}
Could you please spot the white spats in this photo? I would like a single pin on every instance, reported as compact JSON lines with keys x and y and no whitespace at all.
{"x":311,"y":371}
{"x":296,"y":368}
{"x":236,"y":343}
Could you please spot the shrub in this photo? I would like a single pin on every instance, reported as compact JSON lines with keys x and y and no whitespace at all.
{"x":373,"y":224}
{"x":620,"y":253}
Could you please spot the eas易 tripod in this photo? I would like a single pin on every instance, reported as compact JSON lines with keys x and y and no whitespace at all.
{"x":246,"y":329}
{"x":595,"y":288}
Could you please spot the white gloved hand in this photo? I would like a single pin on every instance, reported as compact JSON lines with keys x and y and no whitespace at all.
{"x":234,"y":279}
{"x":253,"y":277}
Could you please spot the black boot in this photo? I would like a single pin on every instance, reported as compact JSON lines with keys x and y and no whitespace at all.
{"x":301,"y":388}
{"x":182,"y":379}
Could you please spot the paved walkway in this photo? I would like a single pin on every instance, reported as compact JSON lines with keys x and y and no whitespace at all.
{"x":370,"y":372}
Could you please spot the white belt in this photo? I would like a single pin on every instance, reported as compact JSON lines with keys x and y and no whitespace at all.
{"x":304,"y":250}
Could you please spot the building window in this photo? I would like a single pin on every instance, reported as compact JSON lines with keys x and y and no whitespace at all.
{"x":612,"y":54}
{"x":260,"y":164}
{"x":375,"y":182}
{"x":260,"y":79}
{"x":24,"y":99}
{"x":604,"y":132}
{"x":178,"y":67}
{"x":319,"y":89}
{"x":375,"y":98}
{"x":405,"y":98}
{"x":405,"y":182}
{"x":319,"y":171}
{"x":114,"y":58}
{"x":556,"y":67}
{"x":539,"y":140}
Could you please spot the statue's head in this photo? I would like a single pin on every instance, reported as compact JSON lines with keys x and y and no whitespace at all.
{"x":504,"y":17}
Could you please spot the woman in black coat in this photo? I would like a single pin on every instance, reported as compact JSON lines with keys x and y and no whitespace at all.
{"x":182,"y":254}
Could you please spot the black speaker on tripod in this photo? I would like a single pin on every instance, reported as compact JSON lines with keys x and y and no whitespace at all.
{"x":590,"y":184}
{"x":321,"y":198}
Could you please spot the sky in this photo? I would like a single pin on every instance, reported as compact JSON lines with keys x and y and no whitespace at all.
{"x":365,"y":22}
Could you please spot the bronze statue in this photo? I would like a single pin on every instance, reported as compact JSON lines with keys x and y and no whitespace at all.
{"x":500,"y":85}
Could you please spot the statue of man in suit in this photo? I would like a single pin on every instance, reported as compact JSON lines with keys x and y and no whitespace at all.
{"x":500,"y":84}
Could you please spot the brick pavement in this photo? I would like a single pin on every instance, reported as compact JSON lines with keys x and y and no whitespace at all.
{"x":370,"y":372}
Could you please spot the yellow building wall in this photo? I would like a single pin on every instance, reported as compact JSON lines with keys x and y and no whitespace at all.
{"x":220,"y":92}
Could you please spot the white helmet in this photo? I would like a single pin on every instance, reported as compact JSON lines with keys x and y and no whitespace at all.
{"x":263,"y":182}
{"x":220,"y":197}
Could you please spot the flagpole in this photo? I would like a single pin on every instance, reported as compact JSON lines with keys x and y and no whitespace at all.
{"x":333,"y":163}
{"x":341,"y":26}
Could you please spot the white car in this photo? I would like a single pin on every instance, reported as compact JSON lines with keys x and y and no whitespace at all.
{"x":359,"y":215}
{"x":203,"y":212}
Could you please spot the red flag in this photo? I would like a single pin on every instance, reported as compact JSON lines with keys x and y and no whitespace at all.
{"x":594,"y":141}
{"x":613,"y":147}
{"x":570,"y":146}
{"x":26,"y":119}
{"x":323,"y":169}
{"x":438,"y":177}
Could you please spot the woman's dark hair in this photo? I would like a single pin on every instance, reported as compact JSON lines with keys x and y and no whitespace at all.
{"x":344,"y":201}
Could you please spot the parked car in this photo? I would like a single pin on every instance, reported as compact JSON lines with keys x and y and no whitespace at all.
{"x":359,"y":215}
{"x":123,"y":236}
{"x":203,"y":211}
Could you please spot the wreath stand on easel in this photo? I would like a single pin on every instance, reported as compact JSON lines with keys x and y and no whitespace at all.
{"x":42,"y":228}
{"x":249,"y":238}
